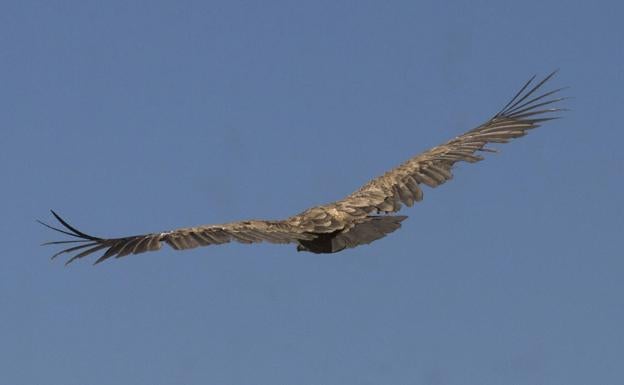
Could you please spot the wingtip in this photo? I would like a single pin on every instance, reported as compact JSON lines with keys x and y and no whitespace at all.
{"x":58,"y":217}
{"x":550,"y":75}
{"x":77,"y":233}
{"x":70,"y":260}
{"x":55,"y":214}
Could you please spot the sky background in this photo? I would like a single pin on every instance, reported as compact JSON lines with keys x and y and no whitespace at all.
{"x":130,"y":117}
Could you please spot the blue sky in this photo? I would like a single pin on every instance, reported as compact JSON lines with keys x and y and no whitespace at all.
{"x":131,"y":117}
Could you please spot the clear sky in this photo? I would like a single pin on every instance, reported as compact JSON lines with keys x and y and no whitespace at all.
{"x":131,"y":117}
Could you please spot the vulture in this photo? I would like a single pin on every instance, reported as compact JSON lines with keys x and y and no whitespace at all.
{"x":360,"y":218}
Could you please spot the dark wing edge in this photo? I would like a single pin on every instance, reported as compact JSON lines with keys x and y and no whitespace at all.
{"x":180,"y":239}
{"x":527,"y":110}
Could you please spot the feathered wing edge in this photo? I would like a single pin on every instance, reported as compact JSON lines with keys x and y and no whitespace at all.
{"x":86,"y":244}
{"x":527,"y":110}
{"x":180,"y":239}
{"x":401,"y":185}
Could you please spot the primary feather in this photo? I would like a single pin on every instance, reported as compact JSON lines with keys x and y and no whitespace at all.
{"x":354,"y":220}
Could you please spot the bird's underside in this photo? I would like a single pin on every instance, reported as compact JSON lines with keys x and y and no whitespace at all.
{"x":360,"y":218}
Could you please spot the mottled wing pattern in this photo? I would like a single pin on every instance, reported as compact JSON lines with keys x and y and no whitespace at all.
{"x":403,"y":184}
{"x":180,"y":239}
{"x":347,"y":222}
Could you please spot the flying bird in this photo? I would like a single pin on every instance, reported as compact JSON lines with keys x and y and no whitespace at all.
{"x":363,"y":216}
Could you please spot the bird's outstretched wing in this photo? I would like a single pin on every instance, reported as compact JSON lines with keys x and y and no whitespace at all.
{"x":347,"y":222}
{"x":180,"y":239}
{"x":402,"y":185}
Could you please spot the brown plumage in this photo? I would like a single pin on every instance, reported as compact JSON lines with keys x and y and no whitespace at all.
{"x":361,"y":217}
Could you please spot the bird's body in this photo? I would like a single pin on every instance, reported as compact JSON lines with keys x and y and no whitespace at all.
{"x":360,"y":218}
